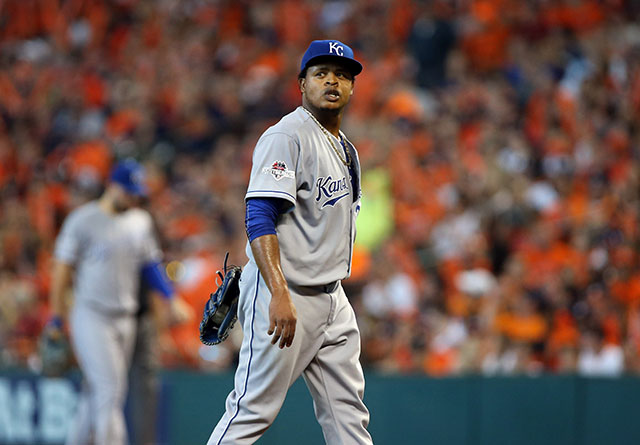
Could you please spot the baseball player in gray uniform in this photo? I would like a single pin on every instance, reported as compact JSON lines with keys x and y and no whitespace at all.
{"x":106,"y":247}
{"x":302,"y":202}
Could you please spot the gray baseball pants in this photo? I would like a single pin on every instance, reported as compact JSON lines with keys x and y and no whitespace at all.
{"x":325,"y":351}
{"x":103,"y":345}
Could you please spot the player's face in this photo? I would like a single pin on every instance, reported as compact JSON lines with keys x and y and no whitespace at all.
{"x":327,"y":86}
{"x":123,"y":201}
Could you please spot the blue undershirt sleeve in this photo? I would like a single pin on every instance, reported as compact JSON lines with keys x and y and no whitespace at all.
{"x":154,"y":276}
{"x":261,"y":215}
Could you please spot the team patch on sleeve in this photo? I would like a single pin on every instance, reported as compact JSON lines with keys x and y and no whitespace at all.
{"x":279,"y":170}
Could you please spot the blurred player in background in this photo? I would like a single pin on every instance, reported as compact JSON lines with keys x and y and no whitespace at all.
{"x":107,"y":248}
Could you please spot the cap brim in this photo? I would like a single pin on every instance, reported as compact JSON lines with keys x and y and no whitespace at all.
{"x":352,"y":65}
{"x":136,"y":190}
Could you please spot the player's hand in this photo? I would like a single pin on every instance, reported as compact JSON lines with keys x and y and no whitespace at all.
{"x":54,"y":349}
{"x":282,"y":318}
{"x":54,"y":329}
{"x":179,"y":311}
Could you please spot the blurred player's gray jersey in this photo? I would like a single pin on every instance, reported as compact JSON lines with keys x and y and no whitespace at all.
{"x":295,"y":161}
{"x":108,"y":252}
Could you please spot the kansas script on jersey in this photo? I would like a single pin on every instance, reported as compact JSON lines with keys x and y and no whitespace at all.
{"x":294,"y":161}
{"x":332,"y":191}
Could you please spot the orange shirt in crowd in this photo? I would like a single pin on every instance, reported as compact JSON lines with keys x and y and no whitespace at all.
{"x":439,"y":363}
{"x":564,"y":331}
{"x":93,"y":157}
{"x":627,"y":290}
{"x":576,"y":15}
{"x":521,"y":327}
{"x":194,"y":288}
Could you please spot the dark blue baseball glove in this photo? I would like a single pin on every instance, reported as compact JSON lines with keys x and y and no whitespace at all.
{"x":221,"y":311}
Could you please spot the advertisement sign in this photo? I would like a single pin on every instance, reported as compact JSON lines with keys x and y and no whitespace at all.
{"x":36,"y":410}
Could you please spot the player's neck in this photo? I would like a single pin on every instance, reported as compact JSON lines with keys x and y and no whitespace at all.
{"x":106,"y":204}
{"x":329,"y":119}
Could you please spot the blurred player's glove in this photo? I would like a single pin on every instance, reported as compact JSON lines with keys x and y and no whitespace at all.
{"x":221,"y":311}
{"x":55,"y":352}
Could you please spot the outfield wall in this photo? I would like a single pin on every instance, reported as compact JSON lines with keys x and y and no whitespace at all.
{"x":404,"y":410}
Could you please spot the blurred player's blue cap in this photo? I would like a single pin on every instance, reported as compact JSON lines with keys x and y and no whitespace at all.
{"x":130,"y":175}
{"x":322,"y":49}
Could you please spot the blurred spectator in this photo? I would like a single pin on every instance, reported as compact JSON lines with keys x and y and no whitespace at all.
{"x":389,"y":292}
{"x":431,"y":40}
{"x":597,"y":358}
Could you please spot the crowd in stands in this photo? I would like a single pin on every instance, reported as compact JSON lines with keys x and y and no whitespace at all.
{"x":500,"y":144}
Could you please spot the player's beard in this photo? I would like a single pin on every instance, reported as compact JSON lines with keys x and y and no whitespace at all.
{"x":320,"y":111}
{"x":119,"y":206}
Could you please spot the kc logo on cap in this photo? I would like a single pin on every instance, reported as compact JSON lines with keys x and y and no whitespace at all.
{"x":337,"y":48}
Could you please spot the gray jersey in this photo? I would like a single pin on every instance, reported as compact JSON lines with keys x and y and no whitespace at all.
{"x":108,"y":252}
{"x":294,"y":160}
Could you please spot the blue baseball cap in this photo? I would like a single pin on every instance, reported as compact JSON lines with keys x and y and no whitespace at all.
{"x":330,"y":48}
{"x":130,"y":175}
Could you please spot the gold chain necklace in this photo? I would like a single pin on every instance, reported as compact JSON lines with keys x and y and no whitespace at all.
{"x":347,"y":161}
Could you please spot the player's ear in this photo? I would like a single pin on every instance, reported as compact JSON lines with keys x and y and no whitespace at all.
{"x":301,"y":84}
